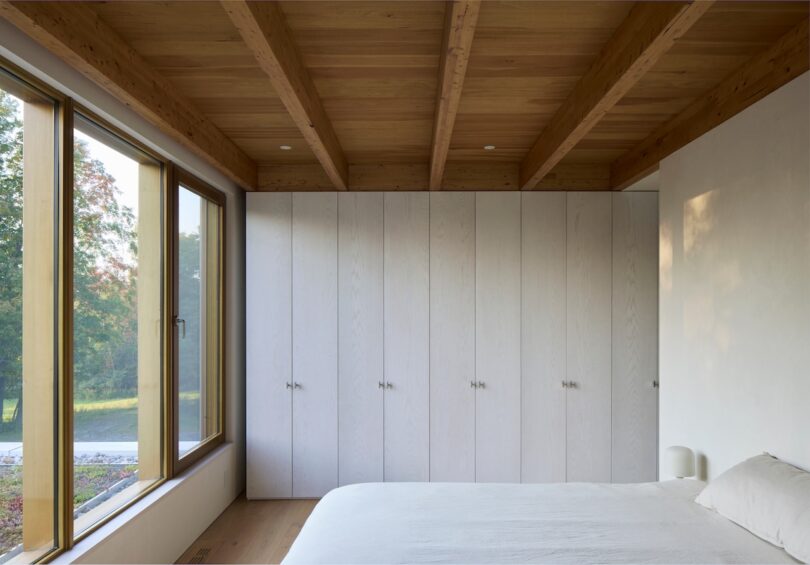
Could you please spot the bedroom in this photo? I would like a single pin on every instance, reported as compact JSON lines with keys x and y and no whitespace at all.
{"x":405,"y":282}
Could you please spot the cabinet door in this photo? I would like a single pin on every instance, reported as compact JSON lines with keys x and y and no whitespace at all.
{"x":635,"y":337}
{"x":543,"y":337}
{"x":315,"y":298}
{"x":452,"y":336}
{"x":360,"y":337}
{"x":497,"y":349}
{"x":588,"y":348}
{"x":407,"y":325}
{"x":268,"y":342}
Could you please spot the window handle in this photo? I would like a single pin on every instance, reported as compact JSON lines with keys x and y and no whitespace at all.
{"x":178,"y":322}
{"x":289,"y":385}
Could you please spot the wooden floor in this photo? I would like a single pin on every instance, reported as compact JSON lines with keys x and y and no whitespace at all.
{"x":251,"y":531}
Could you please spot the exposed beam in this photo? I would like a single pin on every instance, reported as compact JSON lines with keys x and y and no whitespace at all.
{"x":77,"y":35}
{"x":782,"y":62}
{"x":459,"y":29}
{"x":648,"y":32}
{"x":265,"y":32}
{"x":415,"y":176}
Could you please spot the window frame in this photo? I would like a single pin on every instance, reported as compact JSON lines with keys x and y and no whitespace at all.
{"x":17,"y":79}
{"x":115,"y":138}
{"x":204,"y":190}
{"x":172,"y":176}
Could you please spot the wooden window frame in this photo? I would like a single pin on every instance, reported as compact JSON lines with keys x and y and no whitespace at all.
{"x":124,"y":143}
{"x":64,"y":110}
{"x":188,"y":181}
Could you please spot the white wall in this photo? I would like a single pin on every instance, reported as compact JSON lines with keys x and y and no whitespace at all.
{"x":735,"y":286}
{"x":160,"y":527}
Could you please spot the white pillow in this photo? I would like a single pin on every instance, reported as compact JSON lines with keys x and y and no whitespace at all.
{"x":765,"y":496}
{"x":797,"y":538}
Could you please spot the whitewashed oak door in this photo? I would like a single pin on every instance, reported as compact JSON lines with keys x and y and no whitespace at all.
{"x":452,"y":336}
{"x":407,"y":345}
{"x":360,"y":338}
{"x":588,"y":347}
{"x":635,"y":337}
{"x":543,"y":349}
{"x":268,"y":343}
{"x":497,"y":337}
{"x":315,"y":343}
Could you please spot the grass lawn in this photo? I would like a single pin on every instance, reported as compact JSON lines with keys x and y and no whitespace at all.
{"x":110,"y":420}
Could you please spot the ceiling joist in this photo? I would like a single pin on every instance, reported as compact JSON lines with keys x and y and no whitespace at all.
{"x":264,"y":31}
{"x":648,"y":32}
{"x":459,"y":28}
{"x":78,"y":36}
{"x":764,"y":73}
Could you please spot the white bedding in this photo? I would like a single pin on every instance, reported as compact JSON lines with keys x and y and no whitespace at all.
{"x":522,"y":523}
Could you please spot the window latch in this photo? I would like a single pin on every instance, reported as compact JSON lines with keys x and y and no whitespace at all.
{"x":178,"y":322}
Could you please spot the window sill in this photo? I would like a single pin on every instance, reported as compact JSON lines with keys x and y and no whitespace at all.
{"x":120,"y":535}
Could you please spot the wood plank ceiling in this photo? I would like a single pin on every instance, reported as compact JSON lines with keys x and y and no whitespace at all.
{"x":386,"y":92}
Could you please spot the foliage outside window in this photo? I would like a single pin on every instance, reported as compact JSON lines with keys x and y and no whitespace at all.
{"x":28,"y":321}
{"x":101,"y":395}
{"x":117,"y":323}
{"x":198,"y":330}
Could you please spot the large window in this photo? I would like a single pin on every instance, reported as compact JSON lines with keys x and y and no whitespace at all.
{"x":111,"y":309}
{"x":28,"y":323}
{"x":117,"y":322}
{"x":198,"y":327}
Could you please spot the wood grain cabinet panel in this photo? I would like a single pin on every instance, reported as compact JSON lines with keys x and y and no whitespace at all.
{"x":315,"y":343}
{"x":360,"y":337}
{"x":543,"y":312}
{"x":407,"y":341}
{"x":497,"y":337}
{"x":268,"y":342}
{"x":452,"y":336}
{"x":635,"y":337}
{"x":588,"y":348}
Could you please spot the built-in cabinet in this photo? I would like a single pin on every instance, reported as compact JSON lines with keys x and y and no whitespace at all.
{"x":414,"y":336}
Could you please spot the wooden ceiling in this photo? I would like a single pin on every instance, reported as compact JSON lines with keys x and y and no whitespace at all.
{"x":405,"y":95}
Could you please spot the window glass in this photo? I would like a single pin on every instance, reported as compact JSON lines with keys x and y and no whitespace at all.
{"x":28,"y":377}
{"x":198,"y":322}
{"x":117,"y":323}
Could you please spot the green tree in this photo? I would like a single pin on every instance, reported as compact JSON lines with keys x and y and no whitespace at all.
{"x":104,"y":277}
{"x":105,"y":247}
{"x":11,"y":172}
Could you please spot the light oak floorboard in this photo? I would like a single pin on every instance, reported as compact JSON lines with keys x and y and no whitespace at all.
{"x":251,"y":531}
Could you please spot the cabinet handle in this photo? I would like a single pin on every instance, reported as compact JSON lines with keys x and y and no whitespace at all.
{"x":297,"y":385}
{"x":289,"y":385}
{"x":482,"y":384}
{"x":473,"y":384}
{"x":564,"y":384}
{"x":380,"y":385}
{"x":389,"y":385}
{"x":655,"y":384}
{"x":572,"y":384}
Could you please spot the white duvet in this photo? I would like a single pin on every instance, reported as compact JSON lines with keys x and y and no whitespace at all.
{"x":522,"y":523}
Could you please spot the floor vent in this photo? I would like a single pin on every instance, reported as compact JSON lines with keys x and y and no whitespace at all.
{"x":200,"y":556}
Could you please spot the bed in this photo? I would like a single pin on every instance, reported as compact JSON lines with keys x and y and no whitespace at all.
{"x":522,"y":523}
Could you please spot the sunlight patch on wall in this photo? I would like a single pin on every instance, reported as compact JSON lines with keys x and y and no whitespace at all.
{"x":698,"y":221}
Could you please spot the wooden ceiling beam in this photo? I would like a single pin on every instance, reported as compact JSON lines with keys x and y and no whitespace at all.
{"x":648,"y":32}
{"x":782,"y":62}
{"x":264,"y":30}
{"x":415,"y":176}
{"x":459,"y":28}
{"x":76,"y":34}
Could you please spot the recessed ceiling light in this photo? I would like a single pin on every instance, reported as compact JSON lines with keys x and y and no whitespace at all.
{"x":489,"y":147}
{"x":285,"y":147}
